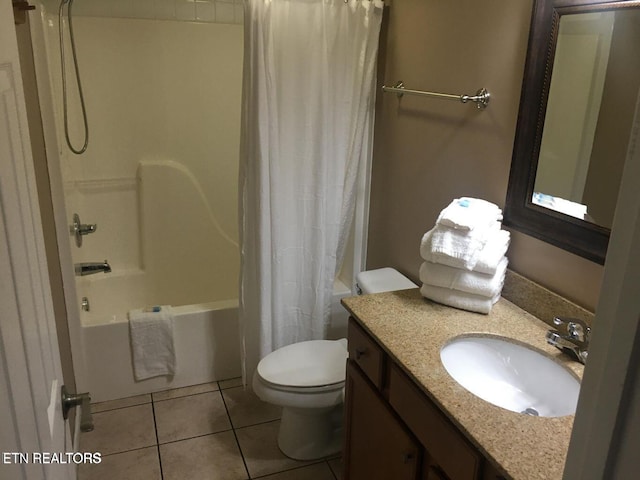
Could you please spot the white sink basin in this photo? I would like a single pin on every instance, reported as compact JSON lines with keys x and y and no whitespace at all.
{"x":511,"y":376}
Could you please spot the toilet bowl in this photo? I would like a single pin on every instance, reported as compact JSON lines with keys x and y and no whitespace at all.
{"x":307,"y":380}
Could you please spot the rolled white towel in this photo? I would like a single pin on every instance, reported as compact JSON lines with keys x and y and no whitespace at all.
{"x":493,"y":252}
{"x":468,"y":213}
{"x":439,"y":275}
{"x":457,"y":299}
{"x":456,"y":248}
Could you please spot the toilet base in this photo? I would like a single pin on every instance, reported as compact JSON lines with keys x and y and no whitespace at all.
{"x":310,"y":433}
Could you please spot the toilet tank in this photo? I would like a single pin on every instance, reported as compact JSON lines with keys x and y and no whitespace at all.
{"x":382,"y":280}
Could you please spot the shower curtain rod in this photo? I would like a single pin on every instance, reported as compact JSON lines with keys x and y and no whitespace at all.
{"x":481,"y":98}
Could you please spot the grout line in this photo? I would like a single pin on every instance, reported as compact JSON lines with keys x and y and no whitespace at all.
{"x":258,"y":423}
{"x":184,"y":396}
{"x":332,"y":472}
{"x":118,"y":408}
{"x":196,"y":436}
{"x":234,"y":434}
{"x":126,"y":451}
{"x":229,"y":387}
{"x":155,"y":428}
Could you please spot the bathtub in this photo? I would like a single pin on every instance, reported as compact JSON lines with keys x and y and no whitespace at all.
{"x":206,"y":347}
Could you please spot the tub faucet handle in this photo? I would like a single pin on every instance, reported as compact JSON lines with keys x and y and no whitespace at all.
{"x":79,"y":229}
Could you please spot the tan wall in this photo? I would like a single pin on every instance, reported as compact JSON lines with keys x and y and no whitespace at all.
{"x":429,"y":151}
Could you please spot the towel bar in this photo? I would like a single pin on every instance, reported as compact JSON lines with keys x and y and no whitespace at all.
{"x":481,"y":98}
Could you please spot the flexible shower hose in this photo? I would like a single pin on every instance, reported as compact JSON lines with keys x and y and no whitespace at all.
{"x":81,"y":150}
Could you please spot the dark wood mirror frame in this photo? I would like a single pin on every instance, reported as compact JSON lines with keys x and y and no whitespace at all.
{"x":577,"y":236}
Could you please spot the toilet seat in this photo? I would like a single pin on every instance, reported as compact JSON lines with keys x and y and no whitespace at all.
{"x":315,"y":365}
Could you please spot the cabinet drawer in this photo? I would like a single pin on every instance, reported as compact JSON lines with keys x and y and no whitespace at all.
{"x":365,"y":352}
{"x":448,"y":448}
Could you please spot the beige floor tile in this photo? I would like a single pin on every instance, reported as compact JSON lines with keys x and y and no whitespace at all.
{"x":336,"y":467}
{"x":120,"y":403}
{"x":230,"y":383}
{"x":211,"y":457}
{"x":187,"y":417}
{"x":142,"y":464}
{"x":120,"y":430}
{"x":185,"y":391}
{"x":259,"y":447}
{"x":319,"y":471}
{"x":245,"y":408}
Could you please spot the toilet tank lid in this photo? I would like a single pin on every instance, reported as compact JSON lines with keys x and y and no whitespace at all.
{"x":383,"y":280}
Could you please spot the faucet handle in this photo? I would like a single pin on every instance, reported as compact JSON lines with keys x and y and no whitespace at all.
{"x":575,"y":327}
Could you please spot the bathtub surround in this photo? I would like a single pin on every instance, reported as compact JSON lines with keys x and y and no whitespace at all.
{"x":307,"y":113}
{"x":157,"y":179}
{"x":209,"y":11}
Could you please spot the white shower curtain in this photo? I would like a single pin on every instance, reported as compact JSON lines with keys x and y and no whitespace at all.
{"x":309,"y":76}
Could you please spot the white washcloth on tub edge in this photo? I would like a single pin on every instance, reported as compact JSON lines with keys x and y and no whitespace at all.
{"x":152,"y":342}
{"x":439,"y":275}
{"x":468,"y":213}
{"x":457,"y":299}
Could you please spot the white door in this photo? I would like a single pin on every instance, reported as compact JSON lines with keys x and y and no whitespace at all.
{"x":30,"y":371}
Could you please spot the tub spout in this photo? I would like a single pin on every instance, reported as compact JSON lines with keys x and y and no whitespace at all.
{"x":90,"y":268}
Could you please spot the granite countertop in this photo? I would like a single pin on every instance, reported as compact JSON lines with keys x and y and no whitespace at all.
{"x":413,"y":329}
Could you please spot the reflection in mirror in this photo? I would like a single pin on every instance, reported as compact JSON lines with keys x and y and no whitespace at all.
{"x":595,"y":83}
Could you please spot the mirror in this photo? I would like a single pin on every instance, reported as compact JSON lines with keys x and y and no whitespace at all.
{"x":579,"y":111}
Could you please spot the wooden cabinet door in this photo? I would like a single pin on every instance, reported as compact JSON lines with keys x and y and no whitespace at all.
{"x":377,"y":445}
{"x":431,"y":471}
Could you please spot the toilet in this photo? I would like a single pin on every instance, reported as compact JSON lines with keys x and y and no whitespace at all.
{"x":307,"y":380}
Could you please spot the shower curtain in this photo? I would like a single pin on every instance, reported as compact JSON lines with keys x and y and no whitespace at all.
{"x":308,"y":93}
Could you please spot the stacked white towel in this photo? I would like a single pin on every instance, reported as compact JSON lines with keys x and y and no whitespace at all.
{"x":465,"y":262}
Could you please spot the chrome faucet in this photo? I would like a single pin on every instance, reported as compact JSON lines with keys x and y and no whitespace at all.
{"x":572,"y":337}
{"x":90,"y":268}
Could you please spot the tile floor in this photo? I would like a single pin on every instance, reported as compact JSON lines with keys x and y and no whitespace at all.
{"x":214,"y":431}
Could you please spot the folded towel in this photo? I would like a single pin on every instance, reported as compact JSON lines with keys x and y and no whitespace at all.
{"x":456,"y":248}
{"x":457,"y":299}
{"x":468,"y":213}
{"x":493,"y":252}
{"x":438,"y":275}
{"x":152,"y":342}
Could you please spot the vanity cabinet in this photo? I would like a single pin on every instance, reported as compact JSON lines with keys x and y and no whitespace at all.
{"x":393,"y":431}
{"x":379,"y":445}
